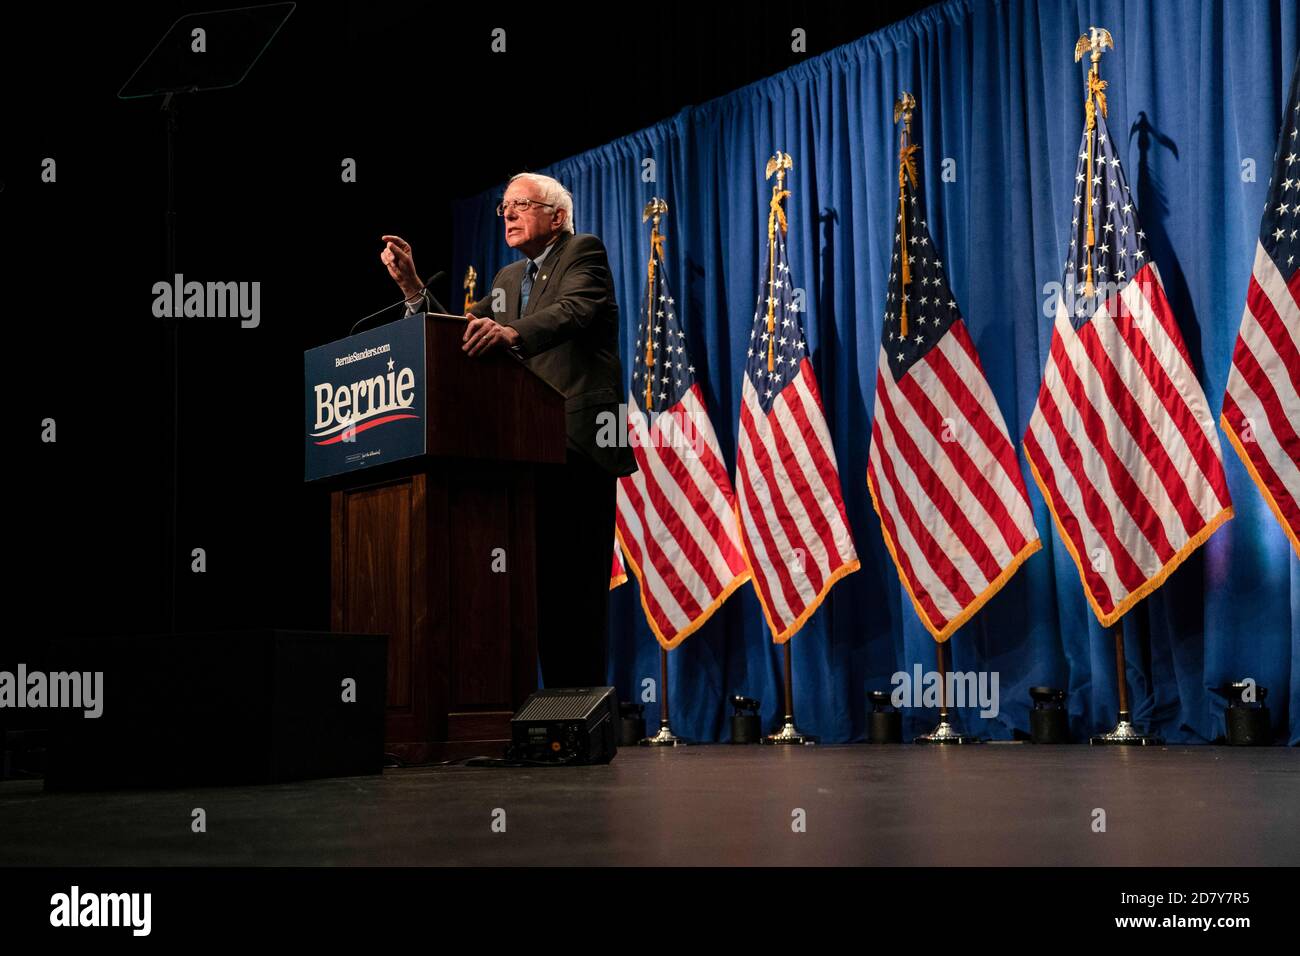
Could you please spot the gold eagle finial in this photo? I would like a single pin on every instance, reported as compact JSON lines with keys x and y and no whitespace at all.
{"x":779,"y":164}
{"x":1096,"y":40}
{"x":903,"y":107}
{"x":655,"y":207}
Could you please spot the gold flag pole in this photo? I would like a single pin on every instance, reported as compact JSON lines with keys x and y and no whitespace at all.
{"x":655,"y":208}
{"x":780,"y":163}
{"x":1097,"y":39}
{"x":471,"y":279}
{"x":775,"y":216}
{"x":903,"y":107}
{"x":945,"y":732}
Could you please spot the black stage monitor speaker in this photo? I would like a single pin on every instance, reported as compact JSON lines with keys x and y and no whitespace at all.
{"x":246,"y":707}
{"x":567,"y":725}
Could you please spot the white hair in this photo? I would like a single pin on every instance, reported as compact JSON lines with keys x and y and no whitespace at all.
{"x":552,"y":192}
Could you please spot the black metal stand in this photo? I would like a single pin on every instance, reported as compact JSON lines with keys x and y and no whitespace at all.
{"x":173,"y":353}
{"x":172,"y":68}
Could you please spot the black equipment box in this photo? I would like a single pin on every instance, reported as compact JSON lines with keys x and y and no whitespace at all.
{"x":567,"y":725}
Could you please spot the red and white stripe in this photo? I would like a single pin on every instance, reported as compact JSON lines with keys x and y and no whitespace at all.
{"x":617,"y":571}
{"x":676,"y":519}
{"x":1261,"y":410}
{"x":788,"y":497}
{"x":1123,"y":446}
{"x":946,"y":483}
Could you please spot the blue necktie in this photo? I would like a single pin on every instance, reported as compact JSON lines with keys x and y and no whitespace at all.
{"x":526,"y":289}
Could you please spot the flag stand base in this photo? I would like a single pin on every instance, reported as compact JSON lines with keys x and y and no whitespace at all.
{"x":665,"y":738}
{"x":1126,"y":735}
{"x":946,"y":733}
{"x":789,"y":734}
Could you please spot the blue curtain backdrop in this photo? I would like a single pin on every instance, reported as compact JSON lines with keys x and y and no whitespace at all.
{"x":1197,"y":88}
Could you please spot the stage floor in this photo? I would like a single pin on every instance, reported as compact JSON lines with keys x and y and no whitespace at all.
{"x":711,"y":805}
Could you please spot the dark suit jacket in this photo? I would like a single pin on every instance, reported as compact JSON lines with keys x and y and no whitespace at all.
{"x":569,"y":338}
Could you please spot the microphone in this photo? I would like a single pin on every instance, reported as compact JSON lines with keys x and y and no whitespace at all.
{"x":438,"y":307}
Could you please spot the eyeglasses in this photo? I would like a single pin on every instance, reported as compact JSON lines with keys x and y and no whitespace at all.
{"x":522,"y":205}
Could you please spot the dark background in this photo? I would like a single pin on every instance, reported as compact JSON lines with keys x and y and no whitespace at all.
{"x":414,"y":94}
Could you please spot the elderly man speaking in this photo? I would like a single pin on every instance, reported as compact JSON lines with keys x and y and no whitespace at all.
{"x":555,"y":309}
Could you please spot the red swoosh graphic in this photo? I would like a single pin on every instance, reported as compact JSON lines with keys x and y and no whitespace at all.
{"x":364,"y":426}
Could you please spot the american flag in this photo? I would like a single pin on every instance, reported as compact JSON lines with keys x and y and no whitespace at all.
{"x":1261,"y":410}
{"x":676,"y":515}
{"x":1121,"y":441}
{"x":617,"y":571}
{"x":943,"y":474}
{"x":792,"y":518}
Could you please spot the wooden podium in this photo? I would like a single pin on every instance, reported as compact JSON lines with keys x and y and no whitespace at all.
{"x":438,"y":552}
